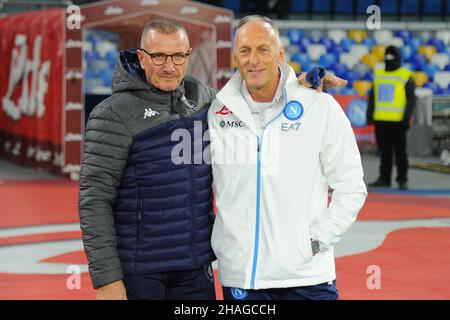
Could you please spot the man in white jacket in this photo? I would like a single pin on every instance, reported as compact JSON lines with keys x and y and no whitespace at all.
{"x":276,"y":149}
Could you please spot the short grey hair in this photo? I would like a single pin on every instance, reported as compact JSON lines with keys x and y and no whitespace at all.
{"x":257,"y":17}
{"x":164,"y":26}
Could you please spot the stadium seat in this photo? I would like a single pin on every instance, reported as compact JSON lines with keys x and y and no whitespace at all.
{"x":292,"y":49}
{"x":439,"y":44}
{"x":348,"y":59}
{"x":404,"y":34}
{"x":315,"y":51}
{"x":379,"y":65}
{"x":418,"y":61}
{"x":357,"y":35}
{"x":444,"y":36}
{"x":425,"y":35}
{"x":316,"y":35}
{"x":420,"y":78}
{"x":433,"y":86}
{"x":295,"y":36}
{"x":347,"y":43}
{"x":371,"y":60}
{"x":300,"y":58}
{"x":327,"y":60}
{"x":378,"y":50}
{"x":351,"y":77}
{"x":427,"y":51}
{"x":362,"y":87}
{"x":442,"y":78}
{"x":111,"y":57}
{"x":369,"y":42}
{"x":409,"y":66}
{"x":105,"y":46}
{"x":349,"y":91}
{"x":337,"y":35}
{"x":430,"y":69}
{"x":447,"y":67}
{"x":340,"y":69}
{"x":369,"y":76}
{"x":328,"y":43}
{"x":382,"y":36}
{"x":406,"y":52}
{"x":359,"y":50}
{"x":440,"y":59}
{"x":361,"y":69}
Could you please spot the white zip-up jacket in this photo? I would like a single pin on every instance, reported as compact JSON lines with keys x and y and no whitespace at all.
{"x":272,"y":187}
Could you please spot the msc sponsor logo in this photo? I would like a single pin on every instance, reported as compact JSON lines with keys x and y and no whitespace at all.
{"x":188,"y":10}
{"x":222,"y":19}
{"x":231,"y":124}
{"x":149,"y":2}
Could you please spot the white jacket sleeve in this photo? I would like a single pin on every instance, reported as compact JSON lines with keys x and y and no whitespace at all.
{"x":341,"y":164}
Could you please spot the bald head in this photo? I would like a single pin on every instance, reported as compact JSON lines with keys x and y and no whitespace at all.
{"x":261,"y":24}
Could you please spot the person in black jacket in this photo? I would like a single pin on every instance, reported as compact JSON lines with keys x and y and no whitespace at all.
{"x":145,"y":200}
{"x":390,"y":106}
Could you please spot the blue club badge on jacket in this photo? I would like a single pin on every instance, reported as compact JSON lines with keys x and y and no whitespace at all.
{"x":293,"y":110}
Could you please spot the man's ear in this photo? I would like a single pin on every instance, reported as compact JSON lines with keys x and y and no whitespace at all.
{"x":282,"y":53}
{"x":141,"y":58}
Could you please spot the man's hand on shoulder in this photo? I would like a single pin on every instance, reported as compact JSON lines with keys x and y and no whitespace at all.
{"x":112,"y":291}
{"x":328,"y":81}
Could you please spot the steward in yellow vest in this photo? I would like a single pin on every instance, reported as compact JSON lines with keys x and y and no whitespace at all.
{"x":390,"y":106}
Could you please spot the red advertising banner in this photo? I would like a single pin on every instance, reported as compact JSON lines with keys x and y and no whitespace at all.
{"x":30,"y":90}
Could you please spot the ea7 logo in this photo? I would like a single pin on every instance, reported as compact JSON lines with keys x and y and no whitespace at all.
{"x":290,"y":126}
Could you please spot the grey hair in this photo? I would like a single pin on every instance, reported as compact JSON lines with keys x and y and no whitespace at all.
{"x":164,"y":26}
{"x":257,"y":17}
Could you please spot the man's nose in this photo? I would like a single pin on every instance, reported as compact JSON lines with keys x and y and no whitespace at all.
{"x":254,"y":59}
{"x":169,"y":65}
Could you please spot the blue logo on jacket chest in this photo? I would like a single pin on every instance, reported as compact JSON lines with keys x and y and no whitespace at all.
{"x":293,"y":110}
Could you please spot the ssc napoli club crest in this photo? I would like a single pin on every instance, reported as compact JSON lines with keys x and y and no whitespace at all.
{"x":239,"y":294}
{"x":293,"y":110}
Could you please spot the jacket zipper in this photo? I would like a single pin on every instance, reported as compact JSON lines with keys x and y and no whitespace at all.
{"x":193,"y":202}
{"x":258,"y":201}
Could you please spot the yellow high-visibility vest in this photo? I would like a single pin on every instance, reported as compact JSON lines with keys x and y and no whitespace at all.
{"x":390,"y":94}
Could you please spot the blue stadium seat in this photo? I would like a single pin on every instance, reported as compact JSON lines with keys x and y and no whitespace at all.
{"x":369,"y":42}
{"x":234,"y":5}
{"x":410,"y":7}
{"x":321,"y":6}
{"x":336,"y":49}
{"x":351,"y":77}
{"x":404,"y":34}
{"x":447,"y":67}
{"x":418,"y":61}
{"x":407,"y":51}
{"x":301,"y":58}
{"x":430,"y":69}
{"x":433,"y":86}
{"x":340,"y":70}
{"x":299,"y":6}
{"x":409,"y":66}
{"x":106,"y":76}
{"x":347,"y":43}
{"x":439,"y":44}
{"x":368,"y":76}
{"x":295,"y":36}
{"x":327,"y":42}
{"x":327,"y":60}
